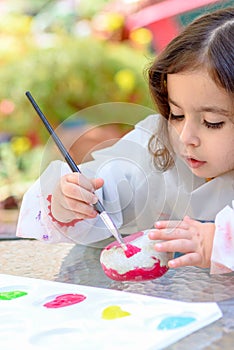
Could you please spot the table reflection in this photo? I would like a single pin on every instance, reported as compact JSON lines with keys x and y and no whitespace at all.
{"x":79,"y":264}
{"x":82,"y":266}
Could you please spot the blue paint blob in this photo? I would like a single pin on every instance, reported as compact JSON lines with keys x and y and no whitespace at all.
{"x":173,"y":322}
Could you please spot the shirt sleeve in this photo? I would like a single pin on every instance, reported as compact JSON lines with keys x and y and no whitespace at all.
{"x":222,"y":259}
{"x":34,"y":221}
{"x":122,"y":166}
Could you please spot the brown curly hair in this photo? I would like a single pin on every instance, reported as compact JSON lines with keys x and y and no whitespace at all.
{"x":208,"y":42}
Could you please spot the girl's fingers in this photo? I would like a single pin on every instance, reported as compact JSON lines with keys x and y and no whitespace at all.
{"x":170,"y":224}
{"x":83,"y":181}
{"x":79,"y":179}
{"x":179,"y":245}
{"x":74,"y":197}
{"x":80,"y":208}
{"x":74,"y":210}
{"x":97,"y":183}
{"x":190,"y":259}
{"x":79,"y":193}
{"x":169,"y":234}
{"x":83,"y":190}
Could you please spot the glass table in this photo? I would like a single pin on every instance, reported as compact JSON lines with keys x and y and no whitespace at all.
{"x":79,"y":264}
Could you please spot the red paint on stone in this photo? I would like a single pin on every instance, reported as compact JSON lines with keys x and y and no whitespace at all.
{"x":138,"y":274}
{"x":135,"y":273}
{"x":131,"y":250}
{"x":127,"y":240}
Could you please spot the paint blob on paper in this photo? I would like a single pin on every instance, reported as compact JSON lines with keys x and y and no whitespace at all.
{"x":13,"y":294}
{"x":141,"y":264}
{"x":65,"y":300}
{"x":173,"y":322}
{"x":113,"y":312}
{"x":97,"y":318}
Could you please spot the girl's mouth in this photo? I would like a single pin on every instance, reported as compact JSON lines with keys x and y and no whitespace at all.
{"x":194,"y":163}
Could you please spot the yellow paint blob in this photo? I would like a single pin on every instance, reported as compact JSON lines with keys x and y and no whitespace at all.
{"x":112,"y":312}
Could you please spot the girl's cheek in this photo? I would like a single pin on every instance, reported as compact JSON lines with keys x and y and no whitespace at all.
{"x":173,"y":139}
{"x":172,"y":131}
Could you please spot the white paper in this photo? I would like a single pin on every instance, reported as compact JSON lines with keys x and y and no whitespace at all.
{"x":27,"y":322}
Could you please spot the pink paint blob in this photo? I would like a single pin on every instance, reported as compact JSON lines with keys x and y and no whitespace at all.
{"x":131,"y":250}
{"x":65,"y":300}
{"x":138,"y":274}
{"x":228,"y":236}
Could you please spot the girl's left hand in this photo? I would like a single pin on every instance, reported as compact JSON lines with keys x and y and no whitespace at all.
{"x":193,"y":238}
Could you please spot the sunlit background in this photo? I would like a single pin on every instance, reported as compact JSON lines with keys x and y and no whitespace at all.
{"x":73,"y":54}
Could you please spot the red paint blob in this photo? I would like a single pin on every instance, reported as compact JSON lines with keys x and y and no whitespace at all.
{"x":138,"y":274}
{"x":131,"y":250}
{"x":65,"y":300}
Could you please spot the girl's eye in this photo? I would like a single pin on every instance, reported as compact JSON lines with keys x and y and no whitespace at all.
{"x":176,"y":116}
{"x":180,"y":117}
{"x":213,"y":125}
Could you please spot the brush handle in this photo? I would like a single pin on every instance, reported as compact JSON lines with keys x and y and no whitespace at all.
{"x":98,"y":206}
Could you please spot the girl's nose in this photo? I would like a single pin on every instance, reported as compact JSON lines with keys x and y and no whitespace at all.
{"x":189,"y":134}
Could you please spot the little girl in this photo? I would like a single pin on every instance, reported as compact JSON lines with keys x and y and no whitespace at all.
{"x":188,"y":193}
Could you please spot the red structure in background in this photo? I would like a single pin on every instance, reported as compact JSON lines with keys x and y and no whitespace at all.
{"x":160,"y":19}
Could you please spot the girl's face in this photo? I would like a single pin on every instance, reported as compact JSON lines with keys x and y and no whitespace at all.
{"x":201,"y":123}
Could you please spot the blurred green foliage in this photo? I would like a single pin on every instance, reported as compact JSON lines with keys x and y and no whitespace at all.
{"x":67,"y":74}
{"x":70,"y":76}
{"x":17,"y":169}
{"x":89,"y":8}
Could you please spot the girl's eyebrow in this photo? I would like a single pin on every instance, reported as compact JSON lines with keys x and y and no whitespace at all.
{"x":173,"y":102}
{"x":211,"y":109}
{"x":214,"y":109}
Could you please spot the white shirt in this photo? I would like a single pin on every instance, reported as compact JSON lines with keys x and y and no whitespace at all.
{"x":135,"y":194}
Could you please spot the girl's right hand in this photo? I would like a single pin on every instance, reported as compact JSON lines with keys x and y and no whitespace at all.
{"x":73,"y":197}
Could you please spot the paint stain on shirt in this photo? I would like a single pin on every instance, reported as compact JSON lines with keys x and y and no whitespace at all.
{"x":65,"y":300}
{"x":113,"y":312}
{"x":173,"y":322}
{"x":12,"y":294}
{"x":38,"y":217}
{"x":228,"y":236}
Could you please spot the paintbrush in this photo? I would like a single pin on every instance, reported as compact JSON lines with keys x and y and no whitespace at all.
{"x":98,"y":206}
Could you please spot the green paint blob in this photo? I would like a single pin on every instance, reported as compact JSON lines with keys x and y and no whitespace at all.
{"x":12,"y":295}
{"x":173,"y":322}
{"x":112,"y":312}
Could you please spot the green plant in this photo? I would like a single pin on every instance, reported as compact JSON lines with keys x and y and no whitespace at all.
{"x":19,"y":166}
{"x":71,"y":76}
